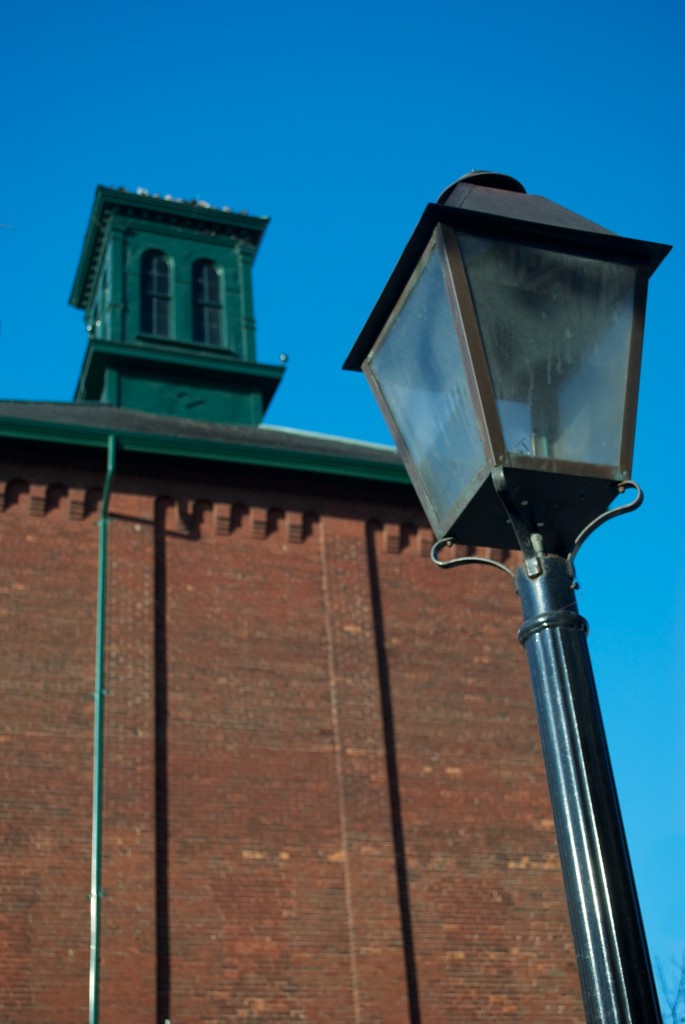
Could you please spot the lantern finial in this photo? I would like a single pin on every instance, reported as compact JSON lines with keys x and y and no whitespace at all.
{"x":486,"y":179}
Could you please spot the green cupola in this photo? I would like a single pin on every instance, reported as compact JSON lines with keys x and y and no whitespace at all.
{"x":166,"y":287}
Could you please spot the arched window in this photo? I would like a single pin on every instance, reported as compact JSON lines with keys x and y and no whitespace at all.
{"x":155,"y":297}
{"x":206,"y":304}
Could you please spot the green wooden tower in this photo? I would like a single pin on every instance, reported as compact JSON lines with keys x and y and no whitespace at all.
{"x":166,"y":287}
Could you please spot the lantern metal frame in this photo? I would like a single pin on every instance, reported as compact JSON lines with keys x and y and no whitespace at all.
{"x":557,"y":498}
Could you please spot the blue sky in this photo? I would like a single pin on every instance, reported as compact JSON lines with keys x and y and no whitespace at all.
{"x":341,"y":121}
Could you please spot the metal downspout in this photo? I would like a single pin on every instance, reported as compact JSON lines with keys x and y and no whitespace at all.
{"x":98,"y":725}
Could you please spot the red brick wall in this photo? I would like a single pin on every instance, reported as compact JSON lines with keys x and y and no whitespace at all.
{"x":47,"y":637}
{"x":324,"y":797}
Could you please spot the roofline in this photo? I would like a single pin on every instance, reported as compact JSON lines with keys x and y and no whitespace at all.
{"x":319,"y":436}
{"x":211,"y":451}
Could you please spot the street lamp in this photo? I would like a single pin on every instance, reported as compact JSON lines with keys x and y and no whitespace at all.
{"x":505,"y":355}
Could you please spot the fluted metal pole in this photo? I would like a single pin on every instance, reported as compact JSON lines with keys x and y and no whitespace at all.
{"x":613,"y":961}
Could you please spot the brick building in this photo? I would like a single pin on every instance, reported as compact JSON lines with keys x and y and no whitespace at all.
{"x":323,"y":796}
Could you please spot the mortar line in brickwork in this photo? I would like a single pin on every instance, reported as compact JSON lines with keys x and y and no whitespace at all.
{"x":335,"y":721}
{"x":385,"y":693}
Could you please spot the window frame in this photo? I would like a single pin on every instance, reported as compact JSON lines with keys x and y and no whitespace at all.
{"x":207,"y":303}
{"x":155,"y":294}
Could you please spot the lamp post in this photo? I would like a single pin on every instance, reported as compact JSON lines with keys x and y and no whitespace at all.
{"x":505,"y":354}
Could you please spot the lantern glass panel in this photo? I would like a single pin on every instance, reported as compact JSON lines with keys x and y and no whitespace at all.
{"x":417,"y":370}
{"x":556,"y":329}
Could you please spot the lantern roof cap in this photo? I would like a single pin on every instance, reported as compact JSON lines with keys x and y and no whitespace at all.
{"x":500,"y":195}
{"x":490,"y":203}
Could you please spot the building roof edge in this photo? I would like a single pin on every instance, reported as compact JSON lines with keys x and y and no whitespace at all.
{"x":273,"y":447}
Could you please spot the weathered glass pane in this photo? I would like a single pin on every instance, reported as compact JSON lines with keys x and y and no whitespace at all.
{"x":418,"y":368}
{"x":556,"y":329}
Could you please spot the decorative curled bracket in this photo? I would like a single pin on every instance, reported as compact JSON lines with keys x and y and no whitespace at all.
{"x":603,"y":518}
{"x":447,"y":542}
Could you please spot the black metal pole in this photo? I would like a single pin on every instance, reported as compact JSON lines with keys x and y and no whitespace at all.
{"x":613,"y":961}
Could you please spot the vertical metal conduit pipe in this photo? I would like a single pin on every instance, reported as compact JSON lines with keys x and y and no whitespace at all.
{"x":98,"y":727}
